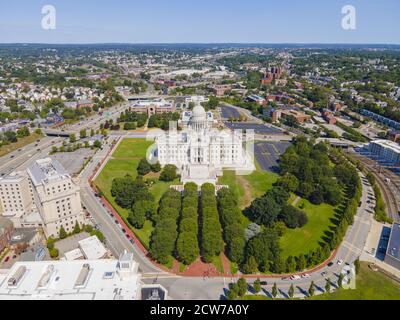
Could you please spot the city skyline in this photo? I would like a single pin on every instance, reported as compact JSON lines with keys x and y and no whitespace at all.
{"x":206,"y":22}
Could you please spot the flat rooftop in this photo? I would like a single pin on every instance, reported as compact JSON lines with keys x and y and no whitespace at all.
{"x":393,"y":248}
{"x":71,"y":280}
{"x":44,"y":170}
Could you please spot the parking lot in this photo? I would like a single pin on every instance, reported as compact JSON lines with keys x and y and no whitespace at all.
{"x":73,"y":161}
{"x":229,"y":112}
{"x":258,"y":128}
{"x":267,"y":154}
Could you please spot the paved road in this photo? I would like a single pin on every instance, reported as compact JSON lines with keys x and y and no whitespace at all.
{"x":18,"y":160}
{"x":390,"y":191}
{"x":115,"y":237}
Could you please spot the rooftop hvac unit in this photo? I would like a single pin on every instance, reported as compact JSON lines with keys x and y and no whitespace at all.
{"x":83,"y":275}
{"x":13,"y":281}
{"x":44,"y":280}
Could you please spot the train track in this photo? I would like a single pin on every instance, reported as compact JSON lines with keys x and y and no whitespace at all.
{"x":388,"y":193}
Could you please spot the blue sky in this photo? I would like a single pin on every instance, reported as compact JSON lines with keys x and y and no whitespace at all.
{"x":205,"y":21}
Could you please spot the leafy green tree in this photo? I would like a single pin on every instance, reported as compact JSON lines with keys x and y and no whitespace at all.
{"x":77,"y":228}
{"x":274,"y":290}
{"x":54,"y":253}
{"x":289,"y":182}
{"x":311,"y":290}
{"x":233,"y":292}
{"x":291,"y":291}
{"x":328,"y":285}
{"x":91,"y":132}
{"x":264,"y":211}
{"x":143,"y":167}
{"x":169,"y":173}
{"x":62,"y":233}
{"x":137,"y":216}
{"x":257,"y":286}
{"x":187,"y":247}
{"x":251,"y":266}
{"x":97,"y":144}
{"x":156,"y":167}
{"x":72,"y":138}
{"x":82,"y":134}
{"x":242,"y":287}
{"x":340,"y":280}
{"x":98,"y":234}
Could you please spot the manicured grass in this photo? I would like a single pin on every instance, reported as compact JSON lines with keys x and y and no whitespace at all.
{"x":301,"y":240}
{"x":217,"y":262}
{"x":22,"y":142}
{"x":132,"y":148}
{"x":370,"y":285}
{"x":159,"y":188}
{"x":170,"y":263}
{"x":233,"y":266}
{"x":248,"y":187}
{"x":182,"y":267}
{"x":125,"y":161}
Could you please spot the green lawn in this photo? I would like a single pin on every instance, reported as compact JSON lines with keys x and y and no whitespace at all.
{"x":217,"y":262}
{"x":301,"y":240}
{"x":248,"y":187}
{"x":132,"y":148}
{"x":370,"y":285}
{"x":124,"y":161}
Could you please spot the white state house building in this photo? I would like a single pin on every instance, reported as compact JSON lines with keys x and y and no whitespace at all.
{"x":201,"y":152}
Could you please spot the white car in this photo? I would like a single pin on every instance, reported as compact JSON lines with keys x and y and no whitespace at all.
{"x":295,"y":277}
{"x":340,"y":262}
{"x":305,"y":276}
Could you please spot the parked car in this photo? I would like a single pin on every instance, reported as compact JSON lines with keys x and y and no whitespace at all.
{"x":330,"y":264}
{"x":305,"y":276}
{"x":263,"y":283}
{"x":340,"y":262}
{"x":295,"y":277}
{"x":8,"y":258}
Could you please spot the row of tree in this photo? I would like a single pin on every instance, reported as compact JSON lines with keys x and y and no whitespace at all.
{"x":163,"y":238}
{"x":211,"y":230}
{"x":233,"y":231}
{"x":187,"y":248}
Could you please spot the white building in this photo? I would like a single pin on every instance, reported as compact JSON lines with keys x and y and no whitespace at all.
{"x":92,"y":248}
{"x":72,"y":280}
{"x":56,"y":196}
{"x":17,"y":200}
{"x":386,"y":150}
{"x":201,"y":152}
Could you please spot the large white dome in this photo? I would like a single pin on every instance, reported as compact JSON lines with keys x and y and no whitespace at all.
{"x":199,"y":114}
